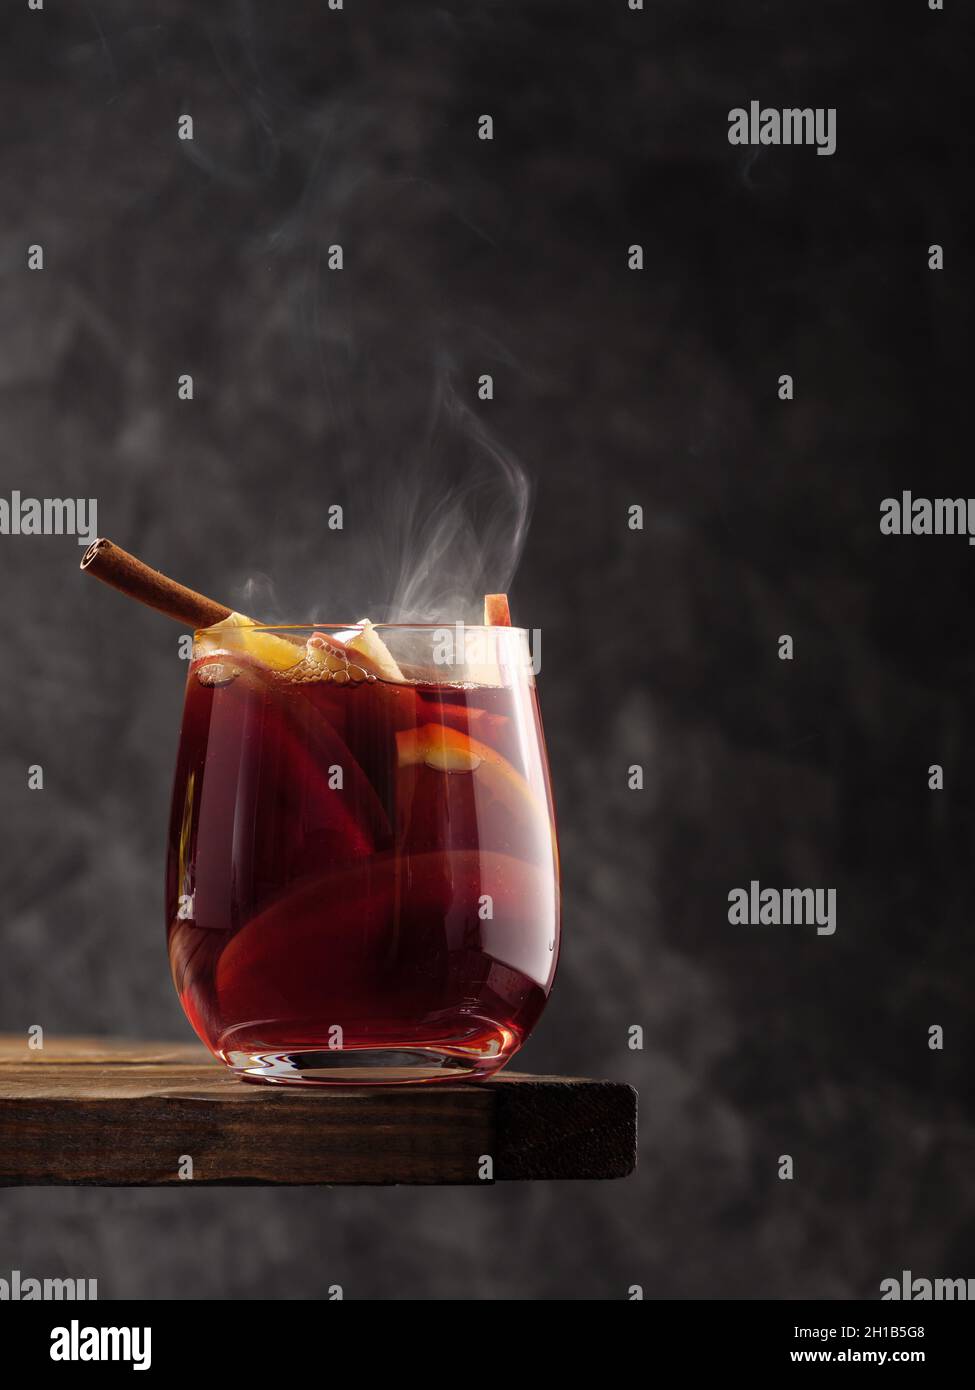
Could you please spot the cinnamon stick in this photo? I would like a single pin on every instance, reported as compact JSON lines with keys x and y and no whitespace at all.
{"x":117,"y":568}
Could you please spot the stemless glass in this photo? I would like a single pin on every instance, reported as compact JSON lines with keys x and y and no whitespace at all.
{"x":363,"y":870}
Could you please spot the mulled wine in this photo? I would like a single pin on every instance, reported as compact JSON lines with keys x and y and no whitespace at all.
{"x":363,"y":873}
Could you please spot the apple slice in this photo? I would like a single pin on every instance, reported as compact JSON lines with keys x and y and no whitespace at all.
{"x":264,"y":811}
{"x":367,"y":643}
{"x":241,"y":636}
{"x":381,"y":939}
{"x":496,"y":611}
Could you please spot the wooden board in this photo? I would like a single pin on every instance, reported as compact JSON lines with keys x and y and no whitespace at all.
{"x":95,"y":1111}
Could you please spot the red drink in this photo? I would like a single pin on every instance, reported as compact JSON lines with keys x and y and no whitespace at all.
{"x":363,"y":878}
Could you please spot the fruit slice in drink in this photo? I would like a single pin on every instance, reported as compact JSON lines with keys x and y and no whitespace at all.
{"x":496,"y":611}
{"x":239,"y":636}
{"x":290,"y":796}
{"x":366,"y":643}
{"x":453,"y":787}
{"x":469,"y":719}
{"x":361,"y":647}
{"x":377,"y":949}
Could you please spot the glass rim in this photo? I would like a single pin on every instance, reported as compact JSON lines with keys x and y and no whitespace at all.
{"x":359,"y":627}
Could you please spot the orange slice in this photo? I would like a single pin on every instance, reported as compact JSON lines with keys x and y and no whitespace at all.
{"x":449,"y":750}
{"x":239,"y":634}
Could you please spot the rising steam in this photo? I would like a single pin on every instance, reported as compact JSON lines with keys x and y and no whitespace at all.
{"x":426,"y":533}
{"x":467,"y":522}
{"x":388,"y":348}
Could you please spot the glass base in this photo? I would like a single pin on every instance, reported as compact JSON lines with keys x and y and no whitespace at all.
{"x":362,"y":1066}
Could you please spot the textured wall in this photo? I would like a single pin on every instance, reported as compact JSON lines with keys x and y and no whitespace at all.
{"x":613,"y":387}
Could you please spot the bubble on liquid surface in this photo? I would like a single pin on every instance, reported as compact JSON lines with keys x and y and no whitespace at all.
{"x":217,"y":673}
{"x":338,"y":672}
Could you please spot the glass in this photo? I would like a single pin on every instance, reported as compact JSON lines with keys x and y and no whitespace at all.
{"x":362,"y":882}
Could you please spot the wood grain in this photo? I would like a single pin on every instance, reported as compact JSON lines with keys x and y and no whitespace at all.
{"x":116,"y":1113}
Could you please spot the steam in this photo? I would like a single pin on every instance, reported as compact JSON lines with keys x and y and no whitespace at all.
{"x":427,"y":532}
{"x":461,"y":536}
{"x":384,"y":351}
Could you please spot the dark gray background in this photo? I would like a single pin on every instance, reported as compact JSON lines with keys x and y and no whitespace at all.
{"x":612,"y":388}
